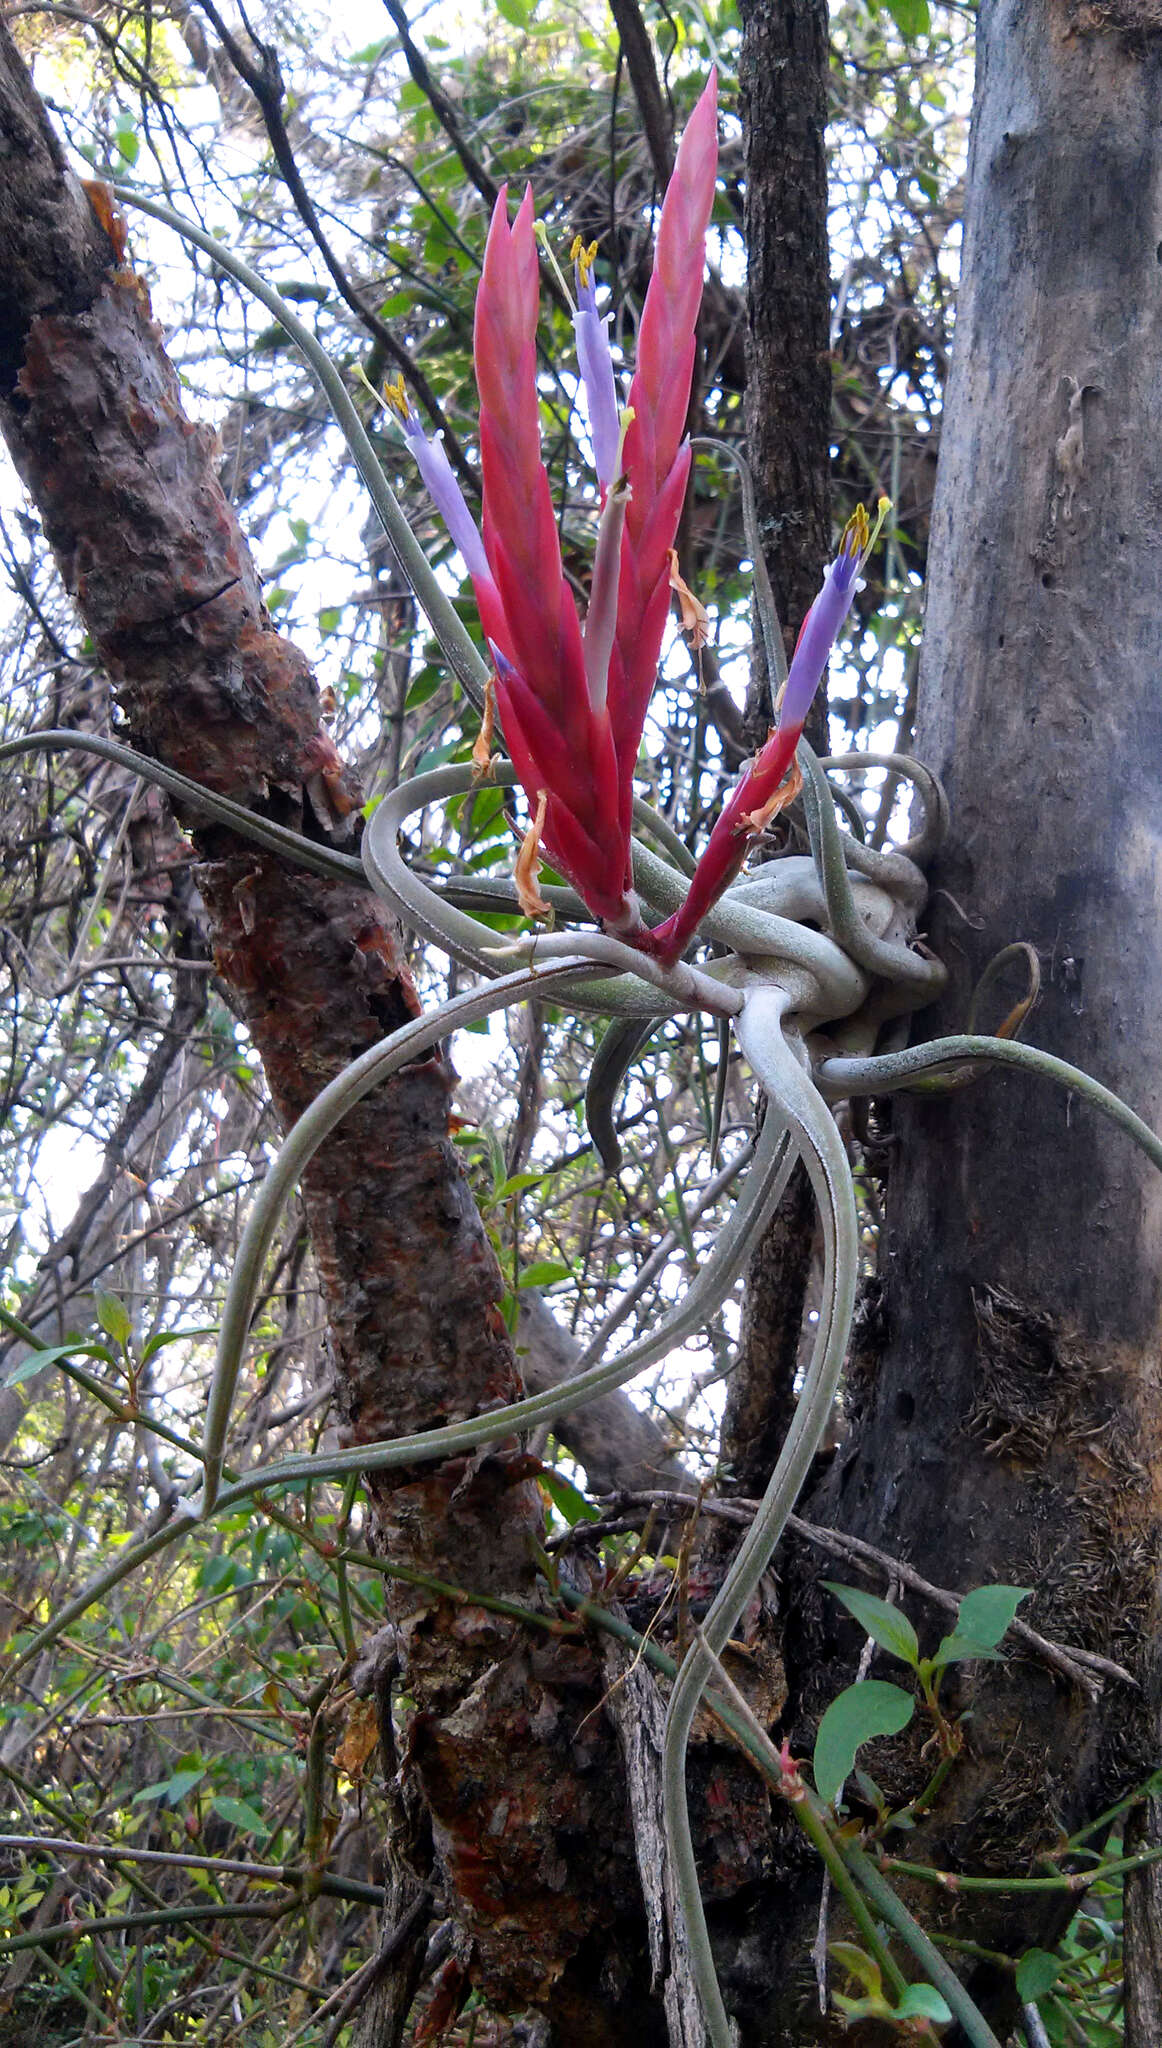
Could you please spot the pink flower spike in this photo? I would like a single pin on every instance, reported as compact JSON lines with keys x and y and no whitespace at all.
{"x":555,"y":720}
{"x":660,"y":392}
{"x":655,"y":459}
{"x":573,"y":704}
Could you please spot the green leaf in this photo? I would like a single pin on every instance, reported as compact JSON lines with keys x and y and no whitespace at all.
{"x":128,"y":140}
{"x":217,"y":1571}
{"x":435,"y":757}
{"x":859,"y":1965}
{"x":37,"y":1360}
{"x":1037,"y":1973}
{"x":889,"y":1628}
{"x":911,"y":17}
{"x":517,"y":1183}
{"x":568,"y":1499}
{"x":981,"y":1621}
{"x":957,"y":1649}
{"x":923,"y":2002}
{"x":240,"y":1815}
{"x":112,"y":1315}
{"x":862,"y":2008}
{"x":164,"y":1337}
{"x":329,"y":618}
{"x":865,"y":1710}
{"x":171,"y":1789}
{"x":985,"y":1614}
{"x":543,"y":1273}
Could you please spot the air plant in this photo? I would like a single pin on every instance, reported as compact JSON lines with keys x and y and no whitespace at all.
{"x":573,"y":695}
{"x":808,"y":942}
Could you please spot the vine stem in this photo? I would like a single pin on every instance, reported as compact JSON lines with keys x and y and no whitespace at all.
{"x":812,"y":1816}
{"x":937,"y":1971}
{"x":814,"y":1822}
{"x":763,"y":1188}
{"x":761,"y":1034}
{"x":309,"y":853}
{"x":769,"y":1173}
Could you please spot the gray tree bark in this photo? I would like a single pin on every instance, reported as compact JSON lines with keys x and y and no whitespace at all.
{"x":1007,"y":1428}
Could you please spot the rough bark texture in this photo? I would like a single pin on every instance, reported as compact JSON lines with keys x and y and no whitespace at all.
{"x":1143,"y":1934}
{"x":517,"y":1771}
{"x":1011,"y":1429}
{"x":783,"y":100}
{"x":760,"y":1393}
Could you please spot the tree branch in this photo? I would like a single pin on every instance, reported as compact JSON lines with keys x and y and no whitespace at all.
{"x":657,"y":120}
{"x":266,"y":83}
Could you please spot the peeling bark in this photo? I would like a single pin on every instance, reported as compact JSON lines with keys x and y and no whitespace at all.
{"x":1143,"y":1934}
{"x":639,"y":1715}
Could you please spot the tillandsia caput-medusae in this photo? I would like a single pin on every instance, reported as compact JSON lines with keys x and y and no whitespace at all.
{"x":814,"y":954}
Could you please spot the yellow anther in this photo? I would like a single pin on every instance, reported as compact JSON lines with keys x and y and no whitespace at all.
{"x":856,"y":533}
{"x":395,"y":396}
{"x":584,"y":257}
{"x":882,"y":509}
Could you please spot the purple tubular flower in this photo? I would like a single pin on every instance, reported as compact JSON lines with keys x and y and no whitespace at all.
{"x":822,"y":624}
{"x":763,"y":790}
{"x":436,"y":470}
{"x":596,"y":367}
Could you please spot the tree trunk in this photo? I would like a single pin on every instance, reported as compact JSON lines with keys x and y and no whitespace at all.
{"x":783,"y":99}
{"x":783,"y":96}
{"x":1007,"y":1420}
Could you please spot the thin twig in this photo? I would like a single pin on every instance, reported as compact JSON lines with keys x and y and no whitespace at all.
{"x":1075,"y":1664}
{"x":266,"y":83}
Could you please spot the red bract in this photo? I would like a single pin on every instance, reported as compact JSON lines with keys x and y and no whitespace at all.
{"x":572,"y":726}
{"x":560,"y":744}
